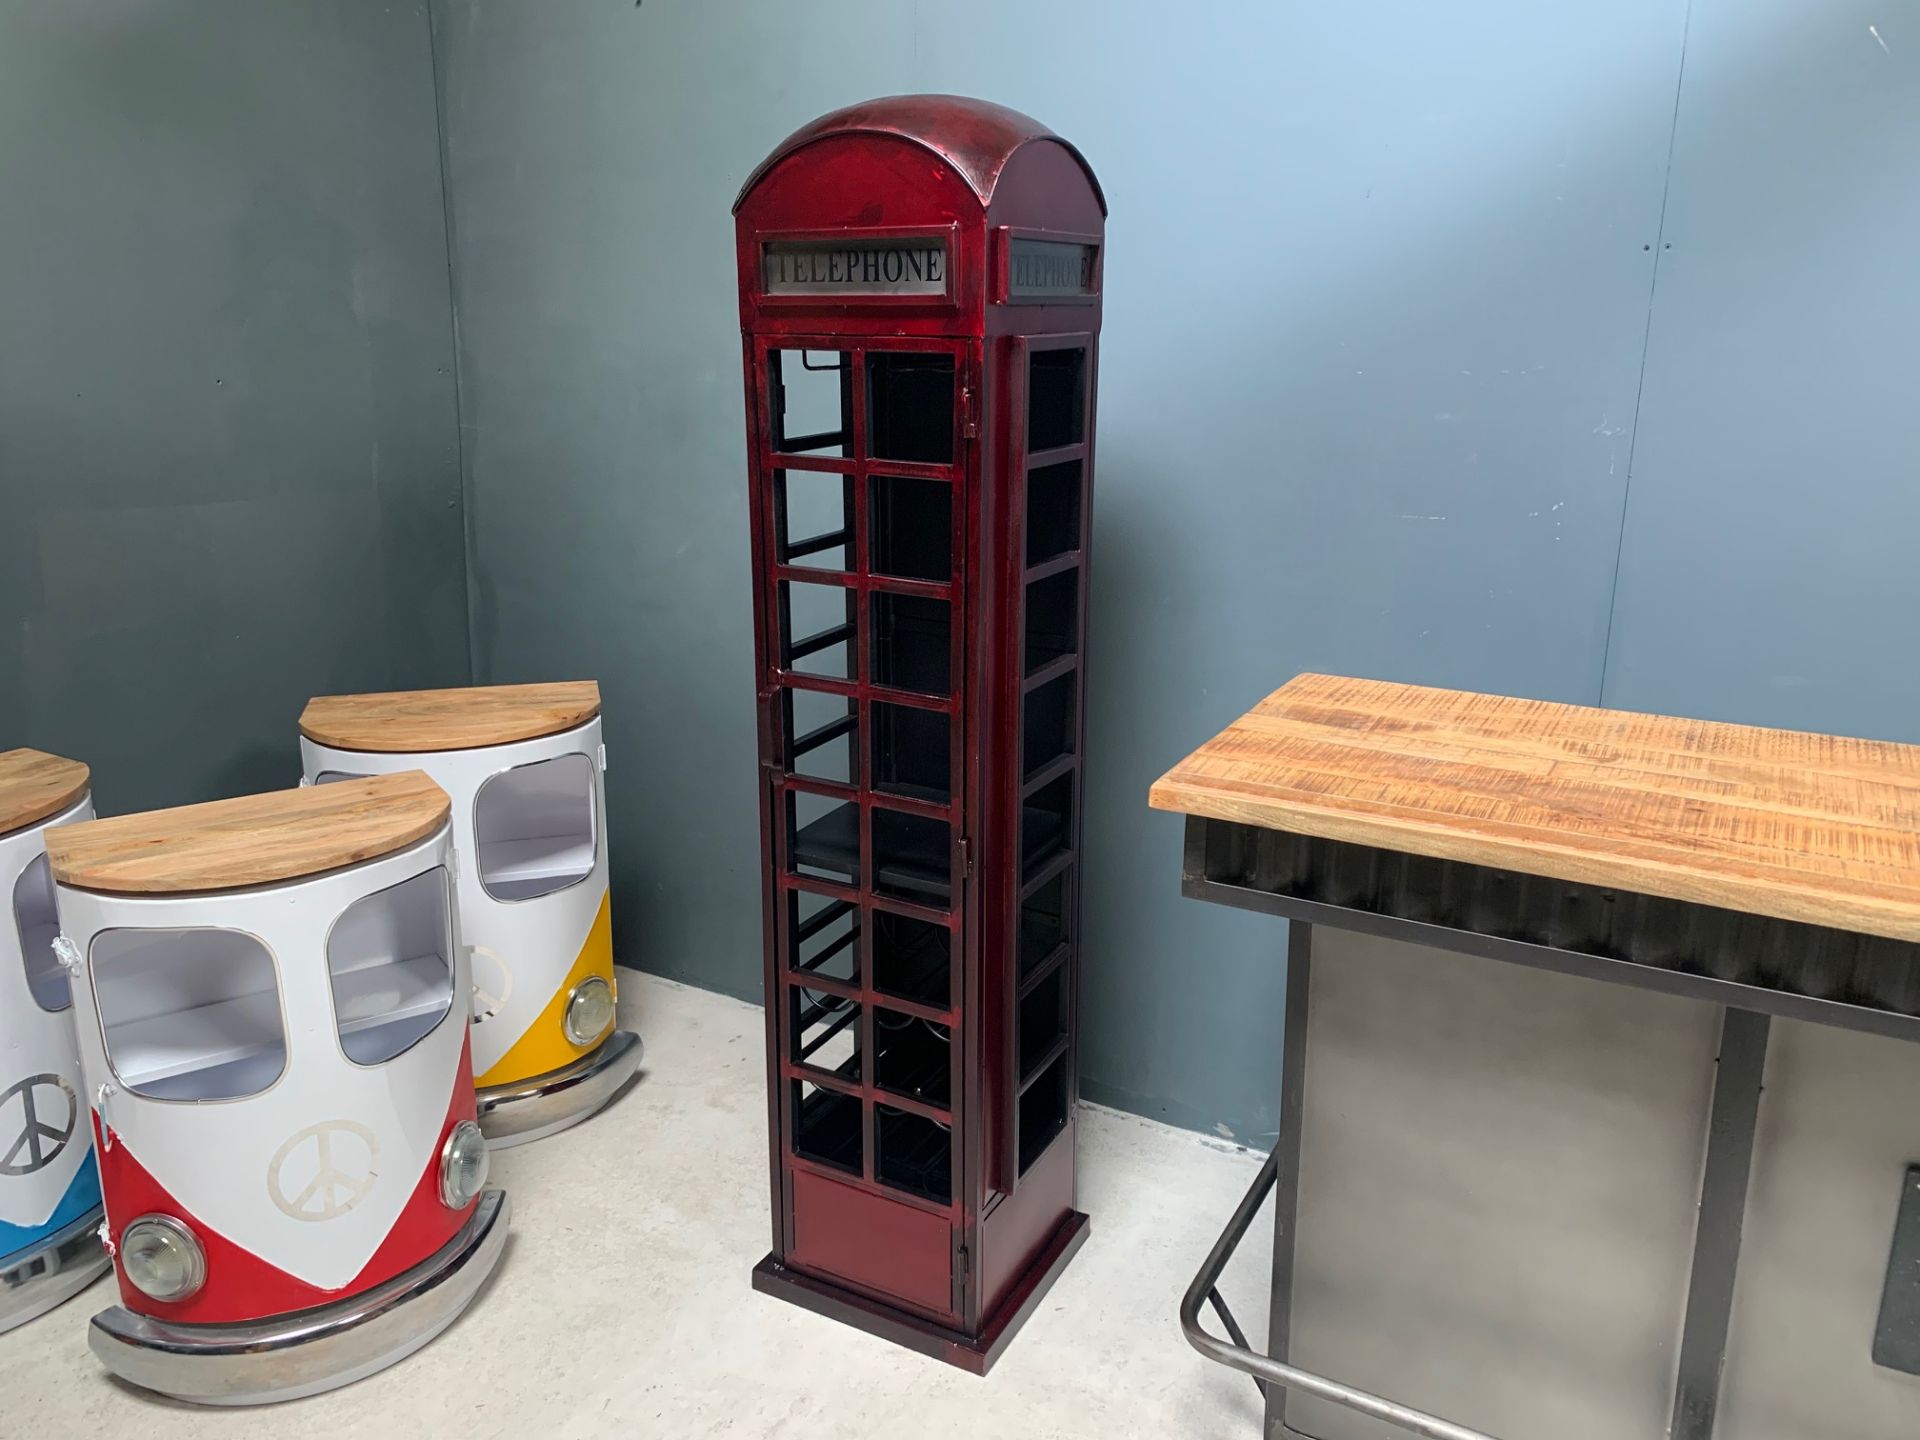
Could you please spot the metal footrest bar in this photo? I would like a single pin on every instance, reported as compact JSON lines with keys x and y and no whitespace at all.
{"x":1239,"y":1356}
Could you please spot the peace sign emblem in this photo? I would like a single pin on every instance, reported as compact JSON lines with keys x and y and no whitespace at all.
{"x":37,"y":1137}
{"x":323,"y":1171}
{"x":492,"y":983}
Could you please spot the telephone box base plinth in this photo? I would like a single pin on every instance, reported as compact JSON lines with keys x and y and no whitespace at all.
{"x":289,"y":1356}
{"x":975,"y":1354}
{"x":68,"y":1263}
{"x":534,"y":1108}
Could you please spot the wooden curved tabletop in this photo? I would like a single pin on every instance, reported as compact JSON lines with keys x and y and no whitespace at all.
{"x":408,"y":722}
{"x":252,"y":840}
{"x":1783,"y":823}
{"x":34,"y":785}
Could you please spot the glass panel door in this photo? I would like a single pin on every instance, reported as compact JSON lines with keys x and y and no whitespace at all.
{"x":865,"y":518}
{"x":1049,"y":513}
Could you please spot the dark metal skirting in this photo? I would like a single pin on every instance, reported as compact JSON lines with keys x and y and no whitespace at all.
{"x":1742,"y":962}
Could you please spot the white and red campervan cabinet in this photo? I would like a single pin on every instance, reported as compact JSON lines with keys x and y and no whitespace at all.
{"x":265,"y":999}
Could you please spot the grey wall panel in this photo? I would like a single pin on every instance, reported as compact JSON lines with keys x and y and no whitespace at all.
{"x":1376,"y":306}
{"x":229,"y":475}
{"x":1376,"y":298}
{"x":593,"y":154}
{"x":1768,"y":570}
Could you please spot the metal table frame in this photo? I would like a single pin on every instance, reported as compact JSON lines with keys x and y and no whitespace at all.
{"x":1328,"y":883}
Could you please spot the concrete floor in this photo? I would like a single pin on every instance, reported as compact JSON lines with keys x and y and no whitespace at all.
{"x":623,"y":1308}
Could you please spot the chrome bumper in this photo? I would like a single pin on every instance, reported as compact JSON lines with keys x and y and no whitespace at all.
{"x":529,"y":1109}
{"x":321,"y":1349}
{"x":70,"y":1261}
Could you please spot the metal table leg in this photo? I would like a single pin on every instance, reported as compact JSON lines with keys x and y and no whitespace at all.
{"x":1723,"y":1207}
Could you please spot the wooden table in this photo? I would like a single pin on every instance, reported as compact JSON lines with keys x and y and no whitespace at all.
{"x":1514,"y":1156}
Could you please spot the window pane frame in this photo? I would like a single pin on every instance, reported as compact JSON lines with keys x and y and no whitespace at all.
{"x":863,"y":583}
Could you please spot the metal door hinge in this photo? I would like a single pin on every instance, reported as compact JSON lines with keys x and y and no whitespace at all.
{"x":966,"y":858}
{"x":67,"y":954}
{"x":969,"y":412}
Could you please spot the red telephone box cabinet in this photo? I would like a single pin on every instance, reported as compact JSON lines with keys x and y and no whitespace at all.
{"x":920,"y":302}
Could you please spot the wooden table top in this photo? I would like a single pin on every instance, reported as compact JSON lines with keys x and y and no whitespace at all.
{"x":252,"y":840}
{"x":410,"y":722}
{"x":1783,"y":823}
{"x":34,"y":785}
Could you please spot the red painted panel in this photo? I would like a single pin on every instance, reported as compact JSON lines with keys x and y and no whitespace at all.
{"x":870,"y":1241}
{"x":1020,"y":1226}
{"x":976,"y":136}
{"x":242,"y":1286}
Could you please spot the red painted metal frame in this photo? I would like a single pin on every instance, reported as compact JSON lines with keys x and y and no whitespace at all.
{"x":864,"y":692}
{"x":981,"y":176}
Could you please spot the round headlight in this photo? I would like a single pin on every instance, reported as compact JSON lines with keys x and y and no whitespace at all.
{"x":589,"y":1010}
{"x":463,"y":1165}
{"x":161,"y":1257}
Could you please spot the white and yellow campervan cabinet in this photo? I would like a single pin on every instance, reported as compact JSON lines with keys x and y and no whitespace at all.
{"x":524,"y":767}
{"x":49,"y":1184}
{"x":268,"y":996}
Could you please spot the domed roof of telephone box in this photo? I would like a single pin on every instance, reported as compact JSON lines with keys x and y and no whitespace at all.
{"x":976,"y":137}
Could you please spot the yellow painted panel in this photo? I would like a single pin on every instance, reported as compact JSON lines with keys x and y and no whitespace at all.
{"x":545,"y":1047}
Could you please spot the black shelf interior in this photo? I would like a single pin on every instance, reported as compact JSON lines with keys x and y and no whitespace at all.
{"x":915,"y":1154}
{"x":823,"y":837}
{"x":826,"y":1126}
{"x":912,"y":959}
{"x":1053,"y":623}
{"x":911,"y":530}
{"x":1044,"y":822}
{"x":911,"y":853}
{"x":912,"y":1057}
{"x":912,"y":643}
{"x":911,"y":751}
{"x":1043,"y":1020}
{"x":1053,"y":511}
{"x":1043,"y":923}
{"x":1043,"y":1112}
{"x":910,"y":406}
{"x":1046,"y":725}
{"x":1056,"y":398}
